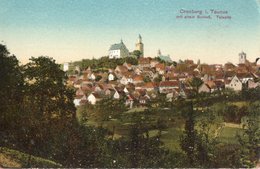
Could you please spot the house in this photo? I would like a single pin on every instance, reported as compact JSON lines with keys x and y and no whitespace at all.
{"x":204,"y":88}
{"x":170,"y":77}
{"x":160,"y":68}
{"x":121,"y":69}
{"x":118,"y":51}
{"x":79,"y":100}
{"x":109,"y":92}
{"x":138,"y":79}
{"x":144,"y":62}
{"x":129,"y":100}
{"x":129,"y":89}
{"x":128,"y":65}
{"x":153,"y":63}
{"x":111,"y":77}
{"x":79,"y":92}
{"x":137,"y":70}
{"x":143,"y":100}
{"x":93,"y":98}
{"x":123,"y":80}
{"x":91,"y":76}
{"x":229,"y":74}
{"x":77,"y":84}
{"x":97,"y":88}
{"x":149,"y":86}
{"x":172,"y":96}
{"x":220,"y":85}
{"x":208,"y":87}
{"x":168,"y":86}
{"x":118,"y":94}
{"x":235,"y":84}
{"x":244,"y":77}
{"x":251,"y":84}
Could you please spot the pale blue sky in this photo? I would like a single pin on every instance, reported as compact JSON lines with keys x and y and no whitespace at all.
{"x":70,"y":30}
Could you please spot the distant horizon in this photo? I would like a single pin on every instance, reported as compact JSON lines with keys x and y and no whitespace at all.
{"x":69,"y":30}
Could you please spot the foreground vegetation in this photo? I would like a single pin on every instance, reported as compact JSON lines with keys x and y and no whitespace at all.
{"x":16,"y":159}
{"x":38,"y":118}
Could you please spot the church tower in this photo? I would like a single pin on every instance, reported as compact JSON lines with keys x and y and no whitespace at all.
{"x":242,"y":58}
{"x":140,"y":46}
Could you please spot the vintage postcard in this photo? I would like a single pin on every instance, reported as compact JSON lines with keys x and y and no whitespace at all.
{"x":129,"y":83}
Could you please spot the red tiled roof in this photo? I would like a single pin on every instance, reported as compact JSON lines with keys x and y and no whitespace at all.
{"x":160,"y":66}
{"x":138,"y":78}
{"x":149,"y":85}
{"x":143,"y":60}
{"x":169,"y":84}
{"x":122,"y":68}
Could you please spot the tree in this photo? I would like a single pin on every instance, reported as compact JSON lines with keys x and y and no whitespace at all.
{"x":147,"y":79}
{"x":137,"y":53}
{"x":250,"y":139}
{"x":188,"y":139}
{"x":11,"y":95}
{"x":49,"y":102}
{"x":109,"y":108}
{"x":195,"y":83}
{"x":208,"y":127}
{"x":131,"y":60}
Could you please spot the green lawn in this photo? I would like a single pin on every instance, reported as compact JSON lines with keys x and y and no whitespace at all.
{"x":171,"y":139}
{"x":228,"y":134}
{"x":240,"y":103}
{"x":16,"y":159}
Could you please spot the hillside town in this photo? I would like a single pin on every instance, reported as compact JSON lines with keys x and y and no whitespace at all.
{"x":138,"y":84}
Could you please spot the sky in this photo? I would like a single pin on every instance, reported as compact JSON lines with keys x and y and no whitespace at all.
{"x":71,"y":30}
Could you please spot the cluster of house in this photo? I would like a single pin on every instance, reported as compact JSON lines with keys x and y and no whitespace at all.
{"x":139,"y":84}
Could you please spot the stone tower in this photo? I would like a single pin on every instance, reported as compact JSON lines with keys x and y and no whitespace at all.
{"x":242,"y":58}
{"x":140,"y":46}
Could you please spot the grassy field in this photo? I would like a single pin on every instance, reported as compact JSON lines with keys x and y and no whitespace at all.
{"x":173,"y":126}
{"x":171,"y":139}
{"x":16,"y":159}
{"x":228,"y":134}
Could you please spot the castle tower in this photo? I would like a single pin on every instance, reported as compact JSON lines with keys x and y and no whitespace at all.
{"x":140,"y":46}
{"x":242,"y":58}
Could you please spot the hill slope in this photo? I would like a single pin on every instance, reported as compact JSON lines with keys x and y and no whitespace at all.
{"x":12,"y":158}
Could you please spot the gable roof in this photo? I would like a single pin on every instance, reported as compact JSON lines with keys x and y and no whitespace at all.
{"x":118,"y":46}
{"x":160,"y":66}
{"x":165,"y":58}
{"x":169,"y":84}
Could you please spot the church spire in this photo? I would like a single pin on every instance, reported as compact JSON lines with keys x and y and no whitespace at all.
{"x":140,"y":39}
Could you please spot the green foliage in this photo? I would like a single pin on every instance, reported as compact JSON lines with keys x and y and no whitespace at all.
{"x":108,"y":108}
{"x":227,"y":156}
{"x":11,"y":87}
{"x":22,"y":159}
{"x":188,"y":139}
{"x":196,"y":83}
{"x":199,"y":138}
{"x":137,"y":53}
{"x":250,"y":139}
{"x":104,"y":63}
{"x":147,"y":79}
{"x":230,"y":112}
{"x":131,"y":60}
{"x":140,"y":150}
{"x":251,"y":94}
